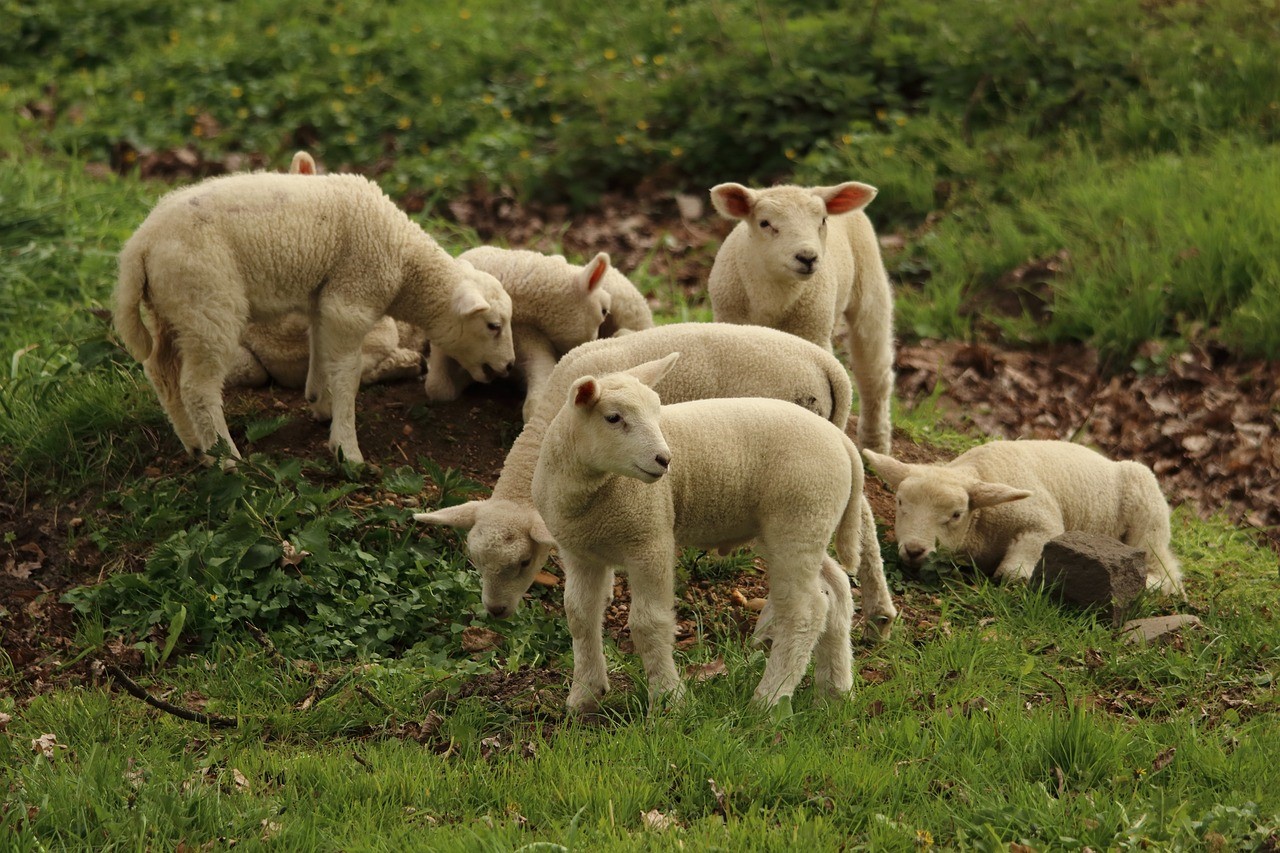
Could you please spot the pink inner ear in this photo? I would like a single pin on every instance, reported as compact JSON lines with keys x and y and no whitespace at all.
{"x":597,"y":274}
{"x":306,"y":168}
{"x":586,"y":394}
{"x":849,"y":198}
{"x":736,"y":202}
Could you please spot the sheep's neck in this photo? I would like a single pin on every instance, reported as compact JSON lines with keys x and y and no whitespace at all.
{"x":578,"y":486}
{"x":426,"y":289}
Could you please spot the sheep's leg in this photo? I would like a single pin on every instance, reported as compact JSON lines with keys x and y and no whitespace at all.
{"x":319,"y":367}
{"x":833,"y":655}
{"x":445,"y":379}
{"x":587,"y":589}
{"x":1023,"y":555}
{"x":162,"y":368}
{"x":653,"y":621}
{"x":870,"y":341}
{"x":203,"y":372}
{"x":799,"y":617}
{"x":878,"y":611}
{"x":344,"y":331}
{"x":535,"y":358}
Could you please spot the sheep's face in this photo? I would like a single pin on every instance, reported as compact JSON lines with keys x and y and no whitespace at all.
{"x":787,"y":226}
{"x":585,"y":305}
{"x":479,"y":336}
{"x":507,"y":542}
{"x":617,"y":422}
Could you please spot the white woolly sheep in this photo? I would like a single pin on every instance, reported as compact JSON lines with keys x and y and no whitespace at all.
{"x":799,"y":258}
{"x":622,"y":481}
{"x":554,"y":307}
{"x":999,"y":503}
{"x":211,"y":256}
{"x":280,"y":351}
{"x":508,"y":541}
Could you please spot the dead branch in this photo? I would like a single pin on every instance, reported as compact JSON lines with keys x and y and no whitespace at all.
{"x":134,"y":689}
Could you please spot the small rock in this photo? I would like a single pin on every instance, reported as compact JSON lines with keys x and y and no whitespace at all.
{"x":1157,"y":627}
{"x":1090,"y":570}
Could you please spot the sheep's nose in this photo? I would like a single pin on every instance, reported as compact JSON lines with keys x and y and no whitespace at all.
{"x":511,"y":365}
{"x":807,"y":258}
{"x":662,"y":459}
{"x":913,"y":552}
{"x":497,"y":611}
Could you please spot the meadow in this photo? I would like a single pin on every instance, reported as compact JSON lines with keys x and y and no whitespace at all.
{"x":1131,"y":142}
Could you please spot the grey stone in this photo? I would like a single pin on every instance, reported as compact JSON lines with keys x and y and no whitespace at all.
{"x":1090,"y":570}
{"x":1158,"y":627}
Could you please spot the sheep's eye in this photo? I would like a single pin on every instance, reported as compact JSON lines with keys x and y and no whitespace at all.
{"x":764,"y":223}
{"x":955,"y":516}
{"x":604,"y":312}
{"x":824,"y":222}
{"x":614,"y":418}
{"x":524,"y":564}
{"x":496,"y":327}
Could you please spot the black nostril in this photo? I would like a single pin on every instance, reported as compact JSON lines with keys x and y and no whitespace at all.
{"x":913,"y":552}
{"x":497,"y":612}
{"x":807,"y":260}
{"x":662,"y":460}
{"x":511,"y":365}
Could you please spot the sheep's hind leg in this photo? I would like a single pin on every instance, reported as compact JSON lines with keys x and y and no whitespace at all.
{"x":163,"y":369}
{"x":653,"y":621}
{"x":203,"y":372}
{"x":587,"y":589}
{"x":833,"y":655}
{"x":798,"y":614}
{"x":342,"y":334}
{"x":319,"y":368}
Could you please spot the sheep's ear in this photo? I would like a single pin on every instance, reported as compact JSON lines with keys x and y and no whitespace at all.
{"x":846,"y":197}
{"x":989,"y":494}
{"x":593,"y":273}
{"x":734,"y":201}
{"x":462,"y":516}
{"x":468,"y":301}
{"x":585,"y":392}
{"x":303,"y":164}
{"x":651,"y":372}
{"x":539,"y":533}
{"x":887,"y":468}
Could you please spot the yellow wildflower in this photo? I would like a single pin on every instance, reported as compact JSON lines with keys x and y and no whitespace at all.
{"x":621,"y":139}
{"x":539,"y":81}
{"x":791,"y":153}
{"x":139,"y":95}
{"x":642,"y":125}
{"x":337,"y":106}
{"x":465,"y":14}
{"x":556,"y":118}
{"x":242,"y":113}
{"x":524,"y":154}
{"x":676,"y":29}
{"x":888,"y":152}
{"x":272,"y":30}
{"x":436,"y":100}
{"x":424,"y":148}
{"x":335,"y":48}
{"x":610,"y":54}
{"x":847,"y":139}
{"x":439,"y":180}
{"x":236,"y":91}
{"x":191,"y":110}
{"x":351,"y":137}
{"x":506,"y":113}
{"x":637,"y":60}
{"x":488,"y":97}
{"x":353,"y":49}
{"x":404,"y":122}
{"x":900,"y":121}
{"x":881,"y":114}
{"x":676,"y":150}
{"x":659,"y":60}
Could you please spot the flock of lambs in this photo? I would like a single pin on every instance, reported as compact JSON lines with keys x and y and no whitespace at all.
{"x":709,"y":435}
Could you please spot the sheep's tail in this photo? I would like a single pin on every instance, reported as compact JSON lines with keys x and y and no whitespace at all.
{"x":851,"y":534}
{"x":127,"y":312}
{"x":841,"y":391}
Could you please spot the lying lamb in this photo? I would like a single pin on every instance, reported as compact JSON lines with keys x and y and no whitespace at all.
{"x":280,"y":351}
{"x":999,"y":503}
{"x":508,"y":541}
{"x":622,"y":481}
{"x":555,"y":307}
{"x":210,"y":257}
{"x":787,"y":267}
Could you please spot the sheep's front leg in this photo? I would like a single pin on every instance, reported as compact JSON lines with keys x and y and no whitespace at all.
{"x":798,"y":612}
{"x":587,"y":588}
{"x":445,"y":379}
{"x":653,"y":621}
{"x":870,"y":339}
{"x":536,"y":358}
{"x":833,"y":656}
{"x":1022,"y":556}
{"x":340,"y":330}
{"x":878,"y":611}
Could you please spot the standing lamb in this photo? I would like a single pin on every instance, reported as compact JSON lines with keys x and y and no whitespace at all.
{"x":999,"y":503}
{"x":622,"y":481}
{"x":280,"y":350}
{"x":786,"y":266}
{"x":210,"y":257}
{"x":555,"y":306}
{"x":508,"y":541}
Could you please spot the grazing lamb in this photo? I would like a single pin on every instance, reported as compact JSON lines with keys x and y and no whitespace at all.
{"x":785,"y":266}
{"x":212,"y":256}
{"x":280,"y":351}
{"x":508,"y":541}
{"x":999,"y":503}
{"x":554,"y":307}
{"x":622,"y":481}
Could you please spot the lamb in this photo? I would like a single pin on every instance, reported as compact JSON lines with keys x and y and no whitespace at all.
{"x":212,"y":256}
{"x":785,"y":266}
{"x":280,"y":351}
{"x":999,"y":503}
{"x":555,"y":306}
{"x":622,"y":480}
{"x":508,"y":540}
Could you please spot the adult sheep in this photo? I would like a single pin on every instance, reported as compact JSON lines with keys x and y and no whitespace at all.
{"x":622,"y":481}
{"x":508,"y":540}
{"x":999,"y":503}
{"x":799,"y":258}
{"x":210,"y":257}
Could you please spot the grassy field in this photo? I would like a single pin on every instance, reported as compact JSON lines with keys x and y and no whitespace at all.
{"x":1129,"y":145}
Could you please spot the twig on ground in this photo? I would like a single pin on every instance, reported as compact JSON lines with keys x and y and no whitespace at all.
{"x":361,"y":761}
{"x":265,"y":641}
{"x":134,"y":689}
{"x":1066,"y":703}
{"x":374,"y":700}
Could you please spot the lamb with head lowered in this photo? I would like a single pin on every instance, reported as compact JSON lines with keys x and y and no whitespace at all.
{"x":210,"y":258}
{"x":507,"y":539}
{"x":999,"y":503}
{"x":622,"y":481}
{"x":798,"y":260}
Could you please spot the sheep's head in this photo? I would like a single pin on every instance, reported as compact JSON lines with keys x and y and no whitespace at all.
{"x":479,"y":336}
{"x":617,"y":425}
{"x":787,"y":226}
{"x":936,"y":504}
{"x":509,"y":543}
{"x":586,"y":304}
